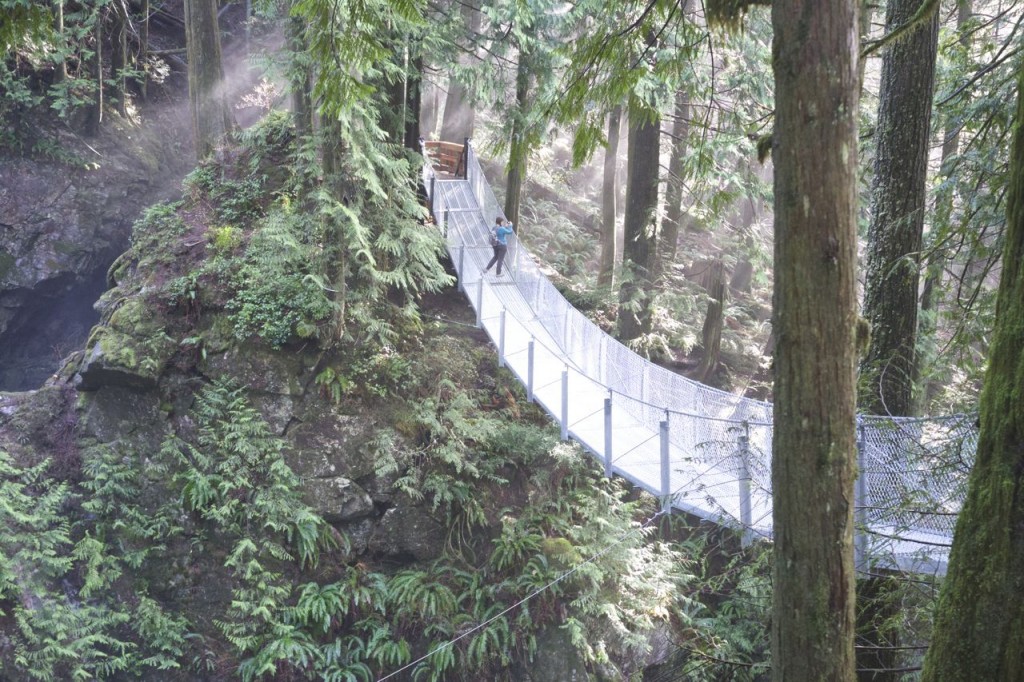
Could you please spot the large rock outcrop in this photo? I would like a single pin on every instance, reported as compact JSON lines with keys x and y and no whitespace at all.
{"x":64,"y":217}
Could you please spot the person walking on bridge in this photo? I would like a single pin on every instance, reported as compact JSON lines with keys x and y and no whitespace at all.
{"x":499,"y":240}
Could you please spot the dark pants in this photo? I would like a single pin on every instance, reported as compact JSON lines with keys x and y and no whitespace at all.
{"x":499,"y":257}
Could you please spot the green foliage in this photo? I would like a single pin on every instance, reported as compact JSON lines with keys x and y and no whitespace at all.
{"x":276,"y":292}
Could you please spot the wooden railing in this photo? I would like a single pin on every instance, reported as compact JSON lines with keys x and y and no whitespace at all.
{"x":446,"y":157}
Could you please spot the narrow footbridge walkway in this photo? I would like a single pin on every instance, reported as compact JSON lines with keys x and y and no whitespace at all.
{"x":700,"y":450}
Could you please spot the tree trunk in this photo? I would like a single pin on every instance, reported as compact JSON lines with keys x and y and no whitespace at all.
{"x":897,"y":213}
{"x":119,"y":56}
{"x":609,"y":192}
{"x":979,"y":621}
{"x":814,"y":151}
{"x":60,"y":72}
{"x":674,"y":186}
{"x":143,"y":62}
{"x":711,"y":335}
{"x":300,"y":77}
{"x":891,"y":282}
{"x":639,"y":247}
{"x":429,"y":106}
{"x":94,"y":118}
{"x":519,"y":148}
{"x":336,"y":252}
{"x":459,"y":117}
{"x":413,"y":102}
{"x":211,"y":117}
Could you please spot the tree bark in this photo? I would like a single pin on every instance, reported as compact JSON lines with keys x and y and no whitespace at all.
{"x":211,"y":117}
{"x":979,"y":621}
{"x":814,"y":150}
{"x":897,"y":213}
{"x":640,"y":243}
{"x":609,"y":193}
{"x":519,"y":148}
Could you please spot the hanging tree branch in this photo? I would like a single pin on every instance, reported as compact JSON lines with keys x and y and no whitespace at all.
{"x":921,"y":16}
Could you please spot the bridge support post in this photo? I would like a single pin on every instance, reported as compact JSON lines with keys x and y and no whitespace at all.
{"x":860,"y":505}
{"x":459,"y":267}
{"x":608,"y":435}
{"x":746,"y":517}
{"x":480,"y":302}
{"x":666,"y":470}
{"x":565,"y":404}
{"x":447,"y":219}
{"x":501,"y":339}
{"x":529,"y":370}
{"x":433,"y":193}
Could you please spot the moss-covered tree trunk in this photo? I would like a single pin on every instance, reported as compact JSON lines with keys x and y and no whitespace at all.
{"x":640,"y":241}
{"x":979,"y":623}
{"x":609,"y":192}
{"x":898,"y":202}
{"x":813,"y":451}
{"x":211,"y":116}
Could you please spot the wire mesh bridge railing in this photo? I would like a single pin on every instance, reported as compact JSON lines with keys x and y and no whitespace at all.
{"x":700,"y":450}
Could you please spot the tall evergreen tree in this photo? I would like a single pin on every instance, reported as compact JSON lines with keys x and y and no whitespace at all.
{"x":640,"y":242}
{"x":898,"y":200}
{"x":814,"y":150}
{"x":211,"y":116}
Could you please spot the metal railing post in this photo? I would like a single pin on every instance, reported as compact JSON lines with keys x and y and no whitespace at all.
{"x":461,"y":265}
{"x":480,"y":303}
{"x":746,"y":517}
{"x":860,"y":504}
{"x":565,"y":404}
{"x":529,"y":370}
{"x":447,"y":219}
{"x":666,"y":471}
{"x":501,"y":339}
{"x":608,"y":435}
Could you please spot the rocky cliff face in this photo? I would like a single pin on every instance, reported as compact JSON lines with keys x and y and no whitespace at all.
{"x":64,"y":217}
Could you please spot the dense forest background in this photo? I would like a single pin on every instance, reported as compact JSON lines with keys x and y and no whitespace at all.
{"x":277,"y":448}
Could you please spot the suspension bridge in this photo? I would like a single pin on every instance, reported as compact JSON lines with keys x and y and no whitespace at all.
{"x":699,"y":450}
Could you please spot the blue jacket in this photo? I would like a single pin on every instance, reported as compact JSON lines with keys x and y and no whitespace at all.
{"x":503,"y":232}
